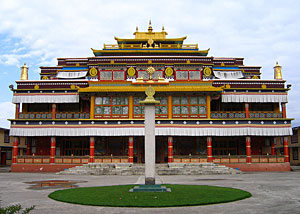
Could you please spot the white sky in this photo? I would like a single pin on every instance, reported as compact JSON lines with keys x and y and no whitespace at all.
{"x":38,"y":32}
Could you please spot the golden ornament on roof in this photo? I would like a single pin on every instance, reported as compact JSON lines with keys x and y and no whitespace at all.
{"x":131,"y":71}
{"x":207,"y":71}
{"x":169,"y":71}
{"x":93,"y":72}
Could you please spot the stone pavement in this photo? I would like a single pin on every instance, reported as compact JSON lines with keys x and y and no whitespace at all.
{"x":272,"y":192}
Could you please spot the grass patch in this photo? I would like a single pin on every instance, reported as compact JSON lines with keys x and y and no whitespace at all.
{"x":118,"y":196}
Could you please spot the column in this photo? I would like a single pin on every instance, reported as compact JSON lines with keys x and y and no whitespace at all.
{"x":247,"y":110}
{"x":53,"y":150}
{"x":130,"y":150}
{"x":149,"y":144}
{"x":28,"y":150}
{"x":170,"y":107}
{"x":170,"y":149}
{"x":92,"y":107}
{"x":286,"y":149}
{"x":130,"y":107}
{"x":283,"y":107}
{"x":17,"y":110}
{"x":15,"y":149}
{"x":92,"y":149}
{"x":248,"y":149}
{"x":53,"y":112}
{"x":273,"y":146}
{"x":209,"y":149}
{"x":208,"y":106}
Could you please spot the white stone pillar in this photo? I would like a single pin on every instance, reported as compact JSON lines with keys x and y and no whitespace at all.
{"x":149,"y":144}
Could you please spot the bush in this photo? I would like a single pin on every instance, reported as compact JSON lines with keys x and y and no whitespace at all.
{"x":14,"y":209}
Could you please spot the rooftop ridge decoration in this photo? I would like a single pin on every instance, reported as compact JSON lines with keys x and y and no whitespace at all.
{"x":150,"y":42}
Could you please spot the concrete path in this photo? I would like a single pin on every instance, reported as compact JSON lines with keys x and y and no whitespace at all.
{"x":272,"y":193}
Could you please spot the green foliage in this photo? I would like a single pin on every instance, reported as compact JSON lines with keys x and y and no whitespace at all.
{"x":15,"y":209}
{"x":119,"y":196}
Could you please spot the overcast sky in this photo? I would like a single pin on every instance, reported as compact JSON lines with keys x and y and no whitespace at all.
{"x":38,"y":32}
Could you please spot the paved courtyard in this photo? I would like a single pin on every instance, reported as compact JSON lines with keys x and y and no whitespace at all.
{"x":272,"y":192}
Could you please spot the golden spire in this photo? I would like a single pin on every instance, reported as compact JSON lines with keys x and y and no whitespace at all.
{"x":277,"y":72}
{"x":150,"y":27}
{"x":136,"y":29}
{"x":24,"y":72}
{"x":163,"y":29}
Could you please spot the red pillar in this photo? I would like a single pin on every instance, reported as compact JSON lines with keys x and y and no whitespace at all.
{"x":248,"y":149}
{"x":170,"y":149}
{"x":28,"y":150}
{"x":53,"y":150}
{"x":286,"y":149}
{"x":53,"y":115}
{"x":209,"y":149}
{"x":17,"y":111}
{"x":92,"y":149}
{"x":283,"y":108}
{"x":130,"y":150}
{"x":247,"y":109}
{"x":15,"y":149}
{"x":273,"y":147}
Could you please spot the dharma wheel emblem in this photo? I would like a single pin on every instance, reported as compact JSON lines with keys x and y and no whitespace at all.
{"x":150,"y":71}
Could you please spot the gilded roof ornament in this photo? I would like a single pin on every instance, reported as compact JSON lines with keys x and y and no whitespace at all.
{"x":277,"y":72}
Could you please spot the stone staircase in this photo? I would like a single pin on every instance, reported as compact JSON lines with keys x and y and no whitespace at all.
{"x":139,"y":169}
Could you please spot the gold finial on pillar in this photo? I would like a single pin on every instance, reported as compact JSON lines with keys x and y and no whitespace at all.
{"x":277,"y":72}
{"x":150,"y":27}
{"x":24,"y":72}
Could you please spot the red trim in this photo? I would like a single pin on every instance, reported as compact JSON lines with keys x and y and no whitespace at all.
{"x":130,"y":150}
{"x":286,"y":149}
{"x":15,"y":149}
{"x":209,"y":149}
{"x":92,"y":149}
{"x":52,"y":150}
{"x":170,"y":149}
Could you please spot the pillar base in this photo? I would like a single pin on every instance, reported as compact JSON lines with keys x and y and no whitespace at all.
{"x":149,"y":181}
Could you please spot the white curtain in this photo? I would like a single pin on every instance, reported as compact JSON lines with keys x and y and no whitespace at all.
{"x":71,"y":74}
{"x":253,"y":98}
{"x":45,"y":98}
{"x":138,"y":131}
{"x":229,"y":74}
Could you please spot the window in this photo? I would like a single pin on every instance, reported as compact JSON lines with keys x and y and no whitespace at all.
{"x":68,"y":107}
{"x":261,"y":107}
{"x":111,"y":107}
{"x":161,"y":110}
{"x":295,"y":153}
{"x":6,"y":136}
{"x":189,"y":106}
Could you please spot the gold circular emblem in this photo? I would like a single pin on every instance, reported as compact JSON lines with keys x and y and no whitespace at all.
{"x":207,"y":71}
{"x":93,"y":72}
{"x":36,"y":87}
{"x":72,"y":86}
{"x":45,"y":78}
{"x":150,"y":70}
{"x":263,"y":86}
{"x":150,"y":91}
{"x":131,"y":71}
{"x":227,"y":86}
{"x":169,"y":71}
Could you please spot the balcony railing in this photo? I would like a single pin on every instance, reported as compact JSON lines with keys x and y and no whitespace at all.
{"x":227,"y":115}
{"x":58,"y":115}
{"x":242,"y":114}
{"x":30,"y":159}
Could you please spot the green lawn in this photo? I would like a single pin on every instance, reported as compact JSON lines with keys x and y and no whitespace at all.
{"x":118,"y":196}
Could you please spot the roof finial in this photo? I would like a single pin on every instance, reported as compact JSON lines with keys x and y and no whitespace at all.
{"x":150,"y":26}
{"x":24,"y":72}
{"x":163,"y":29}
{"x":137,"y":29}
{"x":277,"y":72}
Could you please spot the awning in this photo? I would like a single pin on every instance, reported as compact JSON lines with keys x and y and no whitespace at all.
{"x":45,"y":98}
{"x":254,"y":97}
{"x":229,"y":74}
{"x":71,"y":74}
{"x":162,"y":131}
